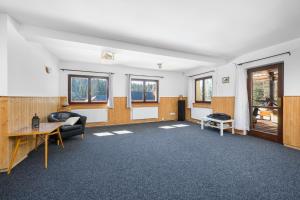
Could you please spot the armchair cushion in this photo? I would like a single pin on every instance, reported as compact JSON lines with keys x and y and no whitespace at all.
{"x":70,"y":128}
{"x":71,"y":121}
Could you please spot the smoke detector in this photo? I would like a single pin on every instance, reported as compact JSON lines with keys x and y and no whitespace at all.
{"x":159,"y":65}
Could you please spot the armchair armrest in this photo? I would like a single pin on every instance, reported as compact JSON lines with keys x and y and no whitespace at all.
{"x":82,"y":121}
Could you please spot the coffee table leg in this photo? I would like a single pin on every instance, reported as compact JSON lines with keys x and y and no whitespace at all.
{"x":46,"y":151}
{"x":12,"y":160}
{"x":221,"y":128}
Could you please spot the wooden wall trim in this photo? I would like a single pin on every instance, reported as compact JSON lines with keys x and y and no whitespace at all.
{"x":16,"y":112}
{"x":120,"y":114}
{"x":223,"y":105}
{"x":19,"y":114}
{"x":4,"y":143}
{"x":291,"y":118}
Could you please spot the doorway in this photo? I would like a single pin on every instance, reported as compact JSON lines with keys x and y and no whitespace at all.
{"x":265,"y":92}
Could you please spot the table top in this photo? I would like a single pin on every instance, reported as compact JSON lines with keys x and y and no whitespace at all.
{"x":216,"y":120}
{"x":44,"y":128}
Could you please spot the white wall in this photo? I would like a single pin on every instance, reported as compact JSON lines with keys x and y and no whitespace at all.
{"x":26,"y":66}
{"x":219,"y":89}
{"x":3,"y":55}
{"x":291,"y":63}
{"x":291,"y":68}
{"x":172,"y":85}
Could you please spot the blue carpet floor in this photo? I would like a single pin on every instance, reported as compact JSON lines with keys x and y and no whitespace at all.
{"x":153,"y":163}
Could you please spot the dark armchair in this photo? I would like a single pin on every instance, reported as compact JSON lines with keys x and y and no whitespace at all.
{"x":67,"y":130}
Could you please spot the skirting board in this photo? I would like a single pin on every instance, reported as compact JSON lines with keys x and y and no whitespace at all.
{"x":131,"y":123}
{"x":15,"y":164}
{"x":289,"y":146}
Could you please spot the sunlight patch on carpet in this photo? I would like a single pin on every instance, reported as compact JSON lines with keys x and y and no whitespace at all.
{"x":121,"y":132}
{"x":180,"y":125}
{"x":166,"y":127}
{"x":103,"y":134}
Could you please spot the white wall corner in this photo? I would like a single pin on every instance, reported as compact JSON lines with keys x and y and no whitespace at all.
{"x":3,"y":55}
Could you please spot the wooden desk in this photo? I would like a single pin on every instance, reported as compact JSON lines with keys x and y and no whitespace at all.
{"x":44,"y":131}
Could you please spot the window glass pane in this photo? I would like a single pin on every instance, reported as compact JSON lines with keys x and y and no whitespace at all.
{"x":151,"y":90}
{"x":264,"y":90}
{"x":207,"y":89}
{"x":199,"y":92}
{"x":137,"y":90}
{"x":98,"y":89}
{"x":79,"y":89}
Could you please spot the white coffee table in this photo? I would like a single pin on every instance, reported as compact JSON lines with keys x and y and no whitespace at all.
{"x":229,"y":124}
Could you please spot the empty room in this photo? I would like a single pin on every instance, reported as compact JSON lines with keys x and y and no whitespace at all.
{"x":149,"y":100}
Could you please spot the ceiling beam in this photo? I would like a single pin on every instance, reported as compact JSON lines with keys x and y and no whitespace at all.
{"x":33,"y":33}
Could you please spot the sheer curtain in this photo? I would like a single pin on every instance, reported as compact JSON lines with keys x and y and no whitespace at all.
{"x":241,"y":110}
{"x":110,"y":102}
{"x":129,"y":105}
{"x":191,"y":92}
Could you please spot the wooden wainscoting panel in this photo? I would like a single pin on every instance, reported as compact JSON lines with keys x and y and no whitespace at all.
{"x":4,"y":145}
{"x":223,"y":105}
{"x":120,"y":114}
{"x":218,"y":105}
{"x":291,"y":119}
{"x":202,"y":105}
{"x":20,"y":112}
{"x":168,"y":108}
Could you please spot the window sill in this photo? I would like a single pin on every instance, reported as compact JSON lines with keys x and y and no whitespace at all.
{"x":203,"y":102}
{"x":202,"y":105}
{"x":89,"y":103}
{"x":145,"y":104}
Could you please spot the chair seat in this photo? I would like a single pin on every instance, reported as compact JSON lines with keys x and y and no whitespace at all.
{"x":70,"y":128}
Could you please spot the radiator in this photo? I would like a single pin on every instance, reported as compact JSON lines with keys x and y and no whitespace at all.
{"x":198,"y":113}
{"x":144,"y":113}
{"x":93,"y":115}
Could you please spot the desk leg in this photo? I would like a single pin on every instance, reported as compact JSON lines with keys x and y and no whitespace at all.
{"x":12,"y":160}
{"x":232,"y":124}
{"x":46,"y":150}
{"x":60,"y":139}
{"x":202,"y":124}
{"x":36,"y":141}
{"x":221,"y":128}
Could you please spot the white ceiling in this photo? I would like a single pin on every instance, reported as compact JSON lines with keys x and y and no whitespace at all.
{"x":87,"y":53}
{"x":224,"y":29}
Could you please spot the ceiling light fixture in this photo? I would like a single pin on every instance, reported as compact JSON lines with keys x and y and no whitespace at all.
{"x":107,"y":56}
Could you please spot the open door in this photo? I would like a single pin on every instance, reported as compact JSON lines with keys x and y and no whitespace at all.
{"x":265,"y":92}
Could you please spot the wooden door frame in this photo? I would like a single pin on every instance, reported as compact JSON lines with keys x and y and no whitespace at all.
{"x":280,"y":67}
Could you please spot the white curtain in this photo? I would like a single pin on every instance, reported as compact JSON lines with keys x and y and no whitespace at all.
{"x":110,"y":102}
{"x":159,"y":92}
{"x":241,"y":111}
{"x":129,"y":105}
{"x":191,"y":92}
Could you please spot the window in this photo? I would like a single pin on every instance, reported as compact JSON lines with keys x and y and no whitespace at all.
{"x":88,"y":89}
{"x":203,"y":90}
{"x":144,"y":90}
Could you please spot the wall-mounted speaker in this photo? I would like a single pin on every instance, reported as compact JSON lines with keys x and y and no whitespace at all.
{"x":181,"y":110}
